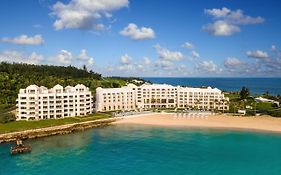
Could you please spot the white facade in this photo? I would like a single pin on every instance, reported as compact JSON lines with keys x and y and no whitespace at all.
{"x":156,"y":96}
{"x":35,"y":103}
{"x":261,"y":99}
{"x":111,"y":99}
{"x":149,"y":96}
{"x":202,"y":98}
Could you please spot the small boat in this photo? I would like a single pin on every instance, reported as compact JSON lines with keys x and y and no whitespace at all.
{"x":20,"y":148}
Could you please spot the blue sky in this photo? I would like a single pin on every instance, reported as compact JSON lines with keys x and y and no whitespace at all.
{"x":146,"y":38}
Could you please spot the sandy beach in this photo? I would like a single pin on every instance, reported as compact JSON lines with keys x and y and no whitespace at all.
{"x":262,"y":123}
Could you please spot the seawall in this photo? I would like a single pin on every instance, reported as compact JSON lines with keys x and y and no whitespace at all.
{"x":55,"y":130}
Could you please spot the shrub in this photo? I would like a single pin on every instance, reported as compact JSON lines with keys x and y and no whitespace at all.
{"x":7,"y":117}
{"x":275,"y":113}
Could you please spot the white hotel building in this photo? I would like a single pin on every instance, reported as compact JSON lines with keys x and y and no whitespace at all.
{"x":146,"y":96}
{"x":35,"y":103}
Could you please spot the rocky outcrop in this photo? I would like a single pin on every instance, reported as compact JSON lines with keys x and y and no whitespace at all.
{"x":56,"y":130}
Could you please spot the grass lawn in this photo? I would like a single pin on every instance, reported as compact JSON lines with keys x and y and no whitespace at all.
{"x":25,"y":125}
{"x":264,"y":106}
{"x":232,"y":96}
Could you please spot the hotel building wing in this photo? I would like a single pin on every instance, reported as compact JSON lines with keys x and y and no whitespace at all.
{"x":35,"y":103}
{"x":149,"y":96}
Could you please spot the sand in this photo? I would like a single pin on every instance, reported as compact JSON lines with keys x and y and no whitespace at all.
{"x":261,"y":123}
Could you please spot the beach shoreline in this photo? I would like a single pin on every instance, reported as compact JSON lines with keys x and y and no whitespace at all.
{"x":221,"y":122}
{"x":217,"y":121}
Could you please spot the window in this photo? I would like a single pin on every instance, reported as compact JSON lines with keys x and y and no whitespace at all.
{"x":171,"y":100}
{"x":32,"y":91}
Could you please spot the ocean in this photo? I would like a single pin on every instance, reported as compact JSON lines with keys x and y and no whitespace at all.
{"x":149,"y":150}
{"x":255,"y":85}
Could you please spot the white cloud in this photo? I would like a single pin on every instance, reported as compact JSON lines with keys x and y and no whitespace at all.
{"x":227,"y":22}
{"x":25,"y":40}
{"x":108,"y":15}
{"x":233,"y":17}
{"x":221,"y":28}
{"x":167,"y":54}
{"x":218,"y":13}
{"x":165,"y":64}
{"x":83,"y":56}
{"x":237,"y":66}
{"x":232,"y":61}
{"x":208,"y":67}
{"x":125,"y":59}
{"x":188,"y":45}
{"x":146,"y":60}
{"x":231,"y":66}
{"x":273,"y":48}
{"x":64,"y":57}
{"x":15,"y":56}
{"x":67,"y":58}
{"x":182,"y":69}
{"x":126,"y":67}
{"x":136,"y":33}
{"x":84,"y":14}
{"x":195,"y":54}
{"x":91,"y":62}
{"x":265,"y":64}
{"x":234,"y":66}
{"x":237,"y":17}
{"x":257,"y":54}
{"x":35,"y":58}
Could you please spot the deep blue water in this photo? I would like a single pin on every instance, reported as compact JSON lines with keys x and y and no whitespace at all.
{"x":139,"y":150}
{"x":256,"y":85}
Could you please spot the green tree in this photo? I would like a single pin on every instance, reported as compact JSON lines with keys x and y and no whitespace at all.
{"x":84,"y":68}
{"x":244,"y":93}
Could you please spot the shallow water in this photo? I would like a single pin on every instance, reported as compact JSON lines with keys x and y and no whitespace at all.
{"x":138,"y":149}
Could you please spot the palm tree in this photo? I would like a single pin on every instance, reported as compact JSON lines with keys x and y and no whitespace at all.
{"x":234,"y":107}
{"x":226,"y":103}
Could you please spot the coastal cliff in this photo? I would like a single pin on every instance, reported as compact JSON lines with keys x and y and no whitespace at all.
{"x":56,"y":130}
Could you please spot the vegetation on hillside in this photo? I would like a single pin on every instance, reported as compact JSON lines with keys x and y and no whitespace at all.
{"x":243,"y":100}
{"x":134,"y":80}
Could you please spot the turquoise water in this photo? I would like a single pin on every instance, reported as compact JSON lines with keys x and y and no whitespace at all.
{"x":256,"y":85}
{"x":137,"y":149}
